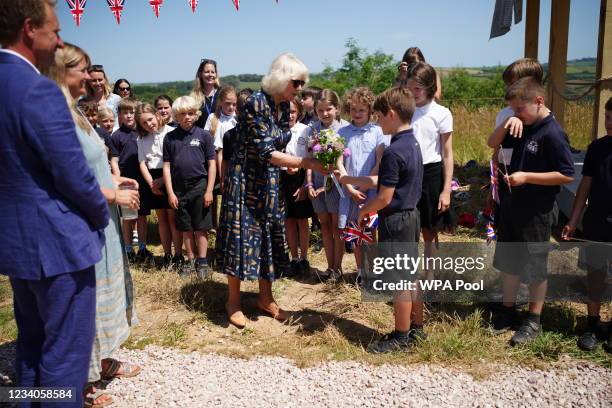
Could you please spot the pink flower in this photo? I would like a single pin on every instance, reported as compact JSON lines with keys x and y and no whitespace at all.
{"x":347,"y":152}
{"x":316,"y":148}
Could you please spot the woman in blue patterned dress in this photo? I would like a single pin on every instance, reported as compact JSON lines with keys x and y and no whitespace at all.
{"x":115,"y":312}
{"x":252,"y":225}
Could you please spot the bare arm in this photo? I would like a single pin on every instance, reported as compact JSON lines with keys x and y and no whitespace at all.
{"x":115,"y":166}
{"x":172,"y":200}
{"x":447,"y":164}
{"x":578,"y":206}
{"x":551,"y":178}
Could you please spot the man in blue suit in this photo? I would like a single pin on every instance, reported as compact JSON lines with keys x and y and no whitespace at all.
{"x":52,"y":212}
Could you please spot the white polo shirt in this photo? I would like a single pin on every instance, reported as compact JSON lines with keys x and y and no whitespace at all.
{"x":429,"y":122}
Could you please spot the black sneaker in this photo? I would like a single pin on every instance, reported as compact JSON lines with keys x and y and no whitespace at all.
{"x":392,"y":342}
{"x":145,"y":256}
{"x":417,"y":333}
{"x":166,"y":261}
{"x":178,"y":261}
{"x":504,"y":320}
{"x":187,"y":268}
{"x":304,"y":267}
{"x":202,"y":271}
{"x":527,"y":332}
{"x":294,"y":269}
{"x":588,"y":341}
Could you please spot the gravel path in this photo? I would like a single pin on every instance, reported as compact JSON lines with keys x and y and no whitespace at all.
{"x":172,"y":378}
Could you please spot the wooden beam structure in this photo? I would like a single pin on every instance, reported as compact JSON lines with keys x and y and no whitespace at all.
{"x":532,"y":28}
{"x":604,"y":68}
{"x":557,"y":57}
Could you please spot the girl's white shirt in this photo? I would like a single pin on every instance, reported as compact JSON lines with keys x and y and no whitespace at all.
{"x":226,"y":122}
{"x":151,"y":148}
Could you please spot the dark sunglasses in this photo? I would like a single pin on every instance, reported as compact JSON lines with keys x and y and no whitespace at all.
{"x":124,"y":89}
{"x":96,"y":68}
{"x":297,"y":83}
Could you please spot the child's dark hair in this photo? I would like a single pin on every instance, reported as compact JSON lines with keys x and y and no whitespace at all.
{"x":425,"y":75}
{"x":362,"y":95}
{"x":311,"y":92}
{"x":525,"y":89}
{"x":521,"y":68}
{"x":398,"y":99}
{"x":128,"y":104}
{"x":87,"y":103}
{"x":609,"y":104}
{"x":163,"y":98}
{"x":329,"y":96}
{"x":413,"y":55}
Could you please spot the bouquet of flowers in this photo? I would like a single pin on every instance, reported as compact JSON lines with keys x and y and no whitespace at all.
{"x":327,"y":146}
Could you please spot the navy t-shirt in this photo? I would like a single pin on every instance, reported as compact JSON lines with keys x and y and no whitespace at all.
{"x":598,"y":165}
{"x":104,"y":135}
{"x":542,"y":149}
{"x":208,"y":106}
{"x":401,"y":166}
{"x":123,"y":145}
{"x":189,"y":153}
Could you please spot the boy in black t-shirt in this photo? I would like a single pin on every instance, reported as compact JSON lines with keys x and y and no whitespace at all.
{"x":399,"y":184}
{"x":596,"y":186}
{"x":541,"y":162}
{"x":124,"y":162}
{"x":189,"y":177}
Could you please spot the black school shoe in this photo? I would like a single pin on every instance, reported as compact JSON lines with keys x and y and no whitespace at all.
{"x":304,"y":267}
{"x":417,"y":333}
{"x":504,"y":319}
{"x":202,"y":270}
{"x":528,"y":332}
{"x":391,"y":342}
{"x":588,"y":341}
{"x":145,"y":256}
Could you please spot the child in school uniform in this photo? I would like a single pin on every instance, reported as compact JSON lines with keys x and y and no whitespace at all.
{"x":596,"y":187}
{"x":150,"y":158}
{"x":325,"y":196}
{"x":399,"y":183}
{"x":106,"y":119}
{"x":189,"y":176}
{"x":433,"y":128}
{"x":124,"y":162}
{"x":365,"y":141}
{"x":521,"y":68}
{"x":293,"y":183}
{"x":541,"y":162}
{"x":89,"y":107}
{"x":163,"y":104}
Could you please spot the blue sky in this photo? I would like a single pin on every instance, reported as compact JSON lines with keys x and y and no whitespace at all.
{"x":450,"y":33}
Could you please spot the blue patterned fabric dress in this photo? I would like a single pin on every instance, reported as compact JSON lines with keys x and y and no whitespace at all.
{"x":115,"y":312}
{"x":252,"y":223}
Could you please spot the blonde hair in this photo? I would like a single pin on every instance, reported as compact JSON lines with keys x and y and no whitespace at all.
{"x":147,"y":108}
{"x":107,"y":88}
{"x":284,"y":68}
{"x":362,"y":95}
{"x":223,"y":93}
{"x":65,"y":58}
{"x":104,"y":113}
{"x":185,"y":104}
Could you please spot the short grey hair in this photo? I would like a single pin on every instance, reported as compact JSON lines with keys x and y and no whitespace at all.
{"x":284,"y":68}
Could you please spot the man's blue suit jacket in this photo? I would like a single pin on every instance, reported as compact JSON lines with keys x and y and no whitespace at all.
{"x":52,"y":212}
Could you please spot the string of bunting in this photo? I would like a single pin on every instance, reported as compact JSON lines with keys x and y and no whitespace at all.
{"x":77,"y":8}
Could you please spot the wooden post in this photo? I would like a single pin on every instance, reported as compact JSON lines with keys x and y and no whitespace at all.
{"x":532,"y":28}
{"x":557,"y":57}
{"x":604,"y":68}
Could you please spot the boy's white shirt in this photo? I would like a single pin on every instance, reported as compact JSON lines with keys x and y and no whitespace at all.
{"x":505,"y":153}
{"x":226,"y":122}
{"x":429,"y":122}
{"x":151,"y":148}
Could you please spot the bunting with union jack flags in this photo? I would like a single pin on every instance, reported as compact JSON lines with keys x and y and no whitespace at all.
{"x":193,"y":4}
{"x":116,"y":7}
{"x":77,"y":8}
{"x":156,"y":5}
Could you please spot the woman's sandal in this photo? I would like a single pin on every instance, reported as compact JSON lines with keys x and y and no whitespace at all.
{"x":112,"y":370}
{"x":92,"y":396}
{"x":276,"y":313}
{"x":235,"y":316}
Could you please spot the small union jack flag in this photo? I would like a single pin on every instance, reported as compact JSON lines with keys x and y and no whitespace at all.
{"x":116,"y":7}
{"x":77,"y":8}
{"x":156,"y":5}
{"x":193,"y":4}
{"x":352,"y":233}
{"x":236,"y":4}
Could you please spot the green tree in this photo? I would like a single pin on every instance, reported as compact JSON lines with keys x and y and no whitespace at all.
{"x":359,"y":68}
